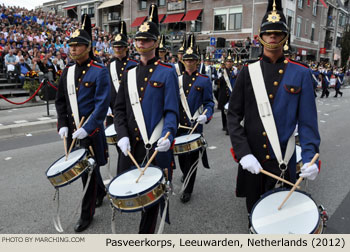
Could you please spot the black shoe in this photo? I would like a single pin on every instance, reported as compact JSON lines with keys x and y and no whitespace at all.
{"x":335,"y":96}
{"x":341,"y":95}
{"x":226,"y":133}
{"x":185,"y":197}
{"x":224,"y":129}
{"x":99,"y":201}
{"x":82,"y":225}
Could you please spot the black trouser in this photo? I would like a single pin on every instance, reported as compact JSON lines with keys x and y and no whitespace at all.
{"x":325,"y":92}
{"x":223,"y":118}
{"x":337,"y":91}
{"x":186,"y":161}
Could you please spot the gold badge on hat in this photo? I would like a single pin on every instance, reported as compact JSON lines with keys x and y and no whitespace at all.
{"x":118,"y":37}
{"x":189,"y":51}
{"x":76,"y":33}
{"x":274,"y":16}
{"x":144,"y":27}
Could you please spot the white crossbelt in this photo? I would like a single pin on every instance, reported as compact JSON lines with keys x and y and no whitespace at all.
{"x":114,"y":76}
{"x":185,"y":103}
{"x":177,"y":68}
{"x":72,"y":94}
{"x":227,"y":80}
{"x":137,"y":109}
{"x":266,"y":115}
{"x":313,"y":76}
{"x":341,"y":83}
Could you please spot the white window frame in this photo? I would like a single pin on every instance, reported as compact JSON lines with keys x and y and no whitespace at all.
{"x":300,"y":4}
{"x":298,"y":26}
{"x":306,"y":25}
{"x":313,"y":26}
{"x":314,"y":7}
{"x":227,"y":11}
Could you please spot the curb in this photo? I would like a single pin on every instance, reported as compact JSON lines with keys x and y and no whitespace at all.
{"x":30,"y":127}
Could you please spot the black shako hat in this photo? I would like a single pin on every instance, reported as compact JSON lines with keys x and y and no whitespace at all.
{"x":274,"y":21}
{"x":229,"y":56}
{"x":121,"y":38}
{"x":83,"y":35}
{"x":149,"y":28}
{"x":161,"y":47}
{"x":183,"y":45}
{"x":191,"y":50}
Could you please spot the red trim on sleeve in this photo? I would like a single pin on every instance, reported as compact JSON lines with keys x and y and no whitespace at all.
{"x":93,"y":64}
{"x":234,"y":155}
{"x":172,"y":145}
{"x":162,"y":64}
{"x":205,"y":76}
{"x":96,"y":130}
{"x":319,"y":165}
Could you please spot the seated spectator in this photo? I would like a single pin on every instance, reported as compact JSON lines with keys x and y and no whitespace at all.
{"x":22,"y":69}
{"x":10,"y":61}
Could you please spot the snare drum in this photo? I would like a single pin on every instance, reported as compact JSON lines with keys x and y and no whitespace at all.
{"x":111,"y":135}
{"x":299,"y":215}
{"x":226,"y":108}
{"x":188,"y":143}
{"x":63,"y":172}
{"x":128,"y":196}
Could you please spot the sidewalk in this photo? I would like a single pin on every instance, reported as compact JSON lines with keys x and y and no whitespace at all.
{"x":27,"y":118}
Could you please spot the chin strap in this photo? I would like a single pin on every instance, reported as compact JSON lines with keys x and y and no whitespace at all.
{"x":273,"y":46}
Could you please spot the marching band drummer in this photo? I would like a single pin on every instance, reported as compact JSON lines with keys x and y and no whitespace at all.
{"x":195,"y":95}
{"x":162,"y":51}
{"x":179,"y":66}
{"x":152,"y":89}
{"x":89,"y":97}
{"x":226,"y":84}
{"x":287,"y":89}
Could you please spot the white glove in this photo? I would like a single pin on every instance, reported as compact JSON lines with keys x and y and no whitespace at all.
{"x":202,"y":119}
{"x":124,"y":145}
{"x":250,"y":163}
{"x":309,"y":172}
{"x":63,"y":132}
{"x":163,"y":145}
{"x":80,"y":134}
{"x":109,"y":112}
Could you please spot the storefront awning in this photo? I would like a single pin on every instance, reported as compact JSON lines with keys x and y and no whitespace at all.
{"x":138,"y":21}
{"x":192,"y":15}
{"x":173,"y":18}
{"x":109,"y":3}
{"x":69,"y":7}
{"x":160,"y":17}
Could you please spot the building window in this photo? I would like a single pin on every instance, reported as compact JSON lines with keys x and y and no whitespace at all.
{"x":161,"y":2}
{"x":312,"y":31}
{"x":230,"y":16}
{"x":290,"y":15}
{"x":196,"y":25}
{"x":298,"y":31}
{"x":142,"y":4}
{"x":300,"y":4}
{"x":306,"y":26}
{"x":342,"y":20}
{"x":314,"y":7}
{"x":91,"y":11}
{"x":338,"y":41}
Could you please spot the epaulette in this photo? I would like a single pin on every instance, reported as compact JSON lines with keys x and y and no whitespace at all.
{"x":205,"y":76}
{"x":164,"y":64}
{"x":134,"y":60}
{"x":130,"y":67}
{"x":298,"y":63}
{"x":96,"y":64}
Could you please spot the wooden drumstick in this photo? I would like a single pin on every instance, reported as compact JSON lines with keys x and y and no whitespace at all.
{"x":195,"y":126}
{"x":65,"y":146}
{"x":92,"y":151}
{"x":74,"y":140}
{"x":298,"y":181}
{"x":151,"y":159}
{"x":278,"y":178}
{"x":185,"y":127}
{"x":134,"y":161}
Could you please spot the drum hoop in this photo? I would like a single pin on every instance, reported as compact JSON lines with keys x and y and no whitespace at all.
{"x":68,"y":168}
{"x":188,"y":147}
{"x":279,"y":190}
{"x":135,"y":194}
{"x":190,"y":140}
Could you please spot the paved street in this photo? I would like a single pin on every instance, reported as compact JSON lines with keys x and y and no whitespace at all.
{"x":27,"y":195}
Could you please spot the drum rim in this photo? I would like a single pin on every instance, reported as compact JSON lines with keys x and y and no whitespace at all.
{"x":195,"y":133}
{"x":279,"y":190}
{"x":68,"y":168}
{"x":135,"y":194}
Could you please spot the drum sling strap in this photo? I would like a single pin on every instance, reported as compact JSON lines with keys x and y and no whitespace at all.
{"x":72,"y":94}
{"x":185,"y":103}
{"x":341,"y":83}
{"x":227,"y":80}
{"x":114,"y":76}
{"x":266,"y":116}
{"x":137,"y":109}
{"x":177,"y":68}
{"x":313,"y":76}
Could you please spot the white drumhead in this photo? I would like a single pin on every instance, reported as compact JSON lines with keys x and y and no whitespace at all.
{"x":126,"y":185}
{"x":187,"y":138}
{"x":62,"y":164}
{"x":110,"y":130}
{"x":298,"y":153}
{"x":226,"y":106}
{"x":299,"y":215}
